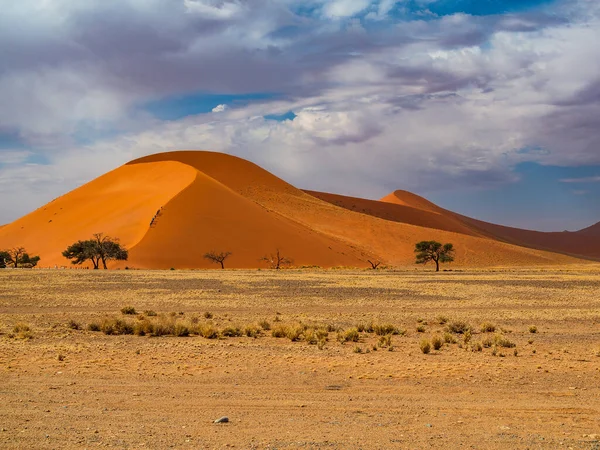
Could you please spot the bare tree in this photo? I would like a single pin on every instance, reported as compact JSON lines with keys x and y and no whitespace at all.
{"x":374,"y":264}
{"x":15,"y":255}
{"x":217,"y":258}
{"x":277,"y":260}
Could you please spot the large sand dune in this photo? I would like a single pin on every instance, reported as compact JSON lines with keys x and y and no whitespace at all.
{"x":213,"y":201}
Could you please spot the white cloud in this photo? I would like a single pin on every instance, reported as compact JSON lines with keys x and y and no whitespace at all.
{"x":219,"y":108}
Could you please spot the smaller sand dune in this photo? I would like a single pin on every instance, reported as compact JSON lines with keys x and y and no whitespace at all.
{"x":593,"y":231}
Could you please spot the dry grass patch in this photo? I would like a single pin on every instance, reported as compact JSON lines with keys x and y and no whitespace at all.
{"x":487,"y":327}
{"x":458,"y":327}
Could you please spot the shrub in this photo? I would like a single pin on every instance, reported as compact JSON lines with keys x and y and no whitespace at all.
{"x":208,"y":315}
{"x":385,"y":329}
{"x":294,"y":333}
{"x":128,"y":310}
{"x":487,"y":342}
{"x":181,"y":330}
{"x":73,"y":325}
{"x":21,"y":327}
{"x":310,"y":336}
{"x":265,"y":325}
{"x":231,"y":332}
{"x":164,"y":326}
{"x":116,"y":327}
{"x":458,"y":327}
{"x":252,"y":331}
{"x":357,"y":349}
{"x":21,"y":331}
{"x":385,"y":341}
{"x":487,"y":327}
{"x":279,"y":331}
{"x":350,"y":335}
{"x":143,"y":327}
{"x":449,"y":339}
{"x":467,"y":336}
{"x":150,"y":313}
{"x":420,"y":329}
{"x":321,"y":344}
{"x":208,"y":331}
{"x":437,"y":342}
{"x":533,"y":329}
{"x":442,"y":320}
{"x":501,"y":341}
{"x":425,"y":346}
{"x":94,"y":326}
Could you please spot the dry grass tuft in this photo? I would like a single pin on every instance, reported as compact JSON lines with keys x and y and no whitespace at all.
{"x":458,"y":327}
{"x":437,"y":342}
{"x":425,"y":346}
{"x":128,"y":310}
{"x":73,"y":325}
{"x":487,"y":327}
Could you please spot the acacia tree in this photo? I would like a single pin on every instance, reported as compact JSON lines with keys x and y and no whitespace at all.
{"x":82,"y":251}
{"x":217,"y":258}
{"x":434,"y":251}
{"x":100,"y":249}
{"x":109,"y":249}
{"x":16,"y":257}
{"x":277,"y":260}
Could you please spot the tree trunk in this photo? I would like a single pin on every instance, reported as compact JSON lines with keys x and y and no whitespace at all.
{"x":222,"y":265}
{"x":437,"y":265}
{"x":104,"y":263}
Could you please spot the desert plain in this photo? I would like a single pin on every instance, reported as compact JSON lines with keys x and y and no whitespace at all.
{"x":64,"y":386}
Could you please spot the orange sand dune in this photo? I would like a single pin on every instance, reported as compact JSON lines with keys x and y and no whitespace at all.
{"x":419,"y":211}
{"x":400,"y":212}
{"x":406,"y":198}
{"x":120,"y":203}
{"x":214,"y":201}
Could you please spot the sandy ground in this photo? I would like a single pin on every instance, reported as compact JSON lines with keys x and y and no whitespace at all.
{"x":67,"y":388}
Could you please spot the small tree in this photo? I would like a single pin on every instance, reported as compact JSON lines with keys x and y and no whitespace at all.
{"x":434,"y":251}
{"x":16,"y":257}
{"x":81,"y":251}
{"x":29,"y":261}
{"x":374,"y":264}
{"x":277,"y":260}
{"x":109,"y":249}
{"x":217,"y":258}
{"x":100,"y":249}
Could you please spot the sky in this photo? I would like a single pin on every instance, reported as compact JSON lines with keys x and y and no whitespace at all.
{"x":487,"y":107}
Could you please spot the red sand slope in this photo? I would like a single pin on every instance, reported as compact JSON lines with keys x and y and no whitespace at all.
{"x":214,"y":201}
{"x":405,"y":207}
{"x":594,"y":230}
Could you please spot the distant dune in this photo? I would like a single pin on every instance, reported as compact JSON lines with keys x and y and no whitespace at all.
{"x":594,"y":231}
{"x":213,"y":201}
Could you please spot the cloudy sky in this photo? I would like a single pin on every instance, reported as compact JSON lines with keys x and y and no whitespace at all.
{"x":487,"y":107}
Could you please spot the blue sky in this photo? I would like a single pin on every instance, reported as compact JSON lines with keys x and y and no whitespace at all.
{"x":359,"y":97}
